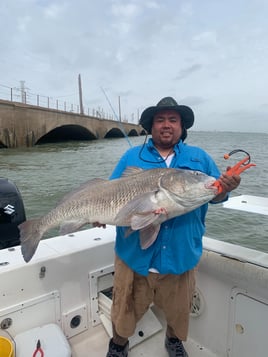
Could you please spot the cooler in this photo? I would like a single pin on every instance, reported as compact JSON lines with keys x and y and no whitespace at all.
{"x":52,"y":341}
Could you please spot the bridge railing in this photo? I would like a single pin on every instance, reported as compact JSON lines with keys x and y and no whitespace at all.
{"x":14,"y":94}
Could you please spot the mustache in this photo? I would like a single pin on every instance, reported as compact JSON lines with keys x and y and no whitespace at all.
{"x":166,"y":132}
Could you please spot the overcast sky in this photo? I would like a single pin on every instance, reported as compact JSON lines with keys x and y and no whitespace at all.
{"x":209,"y":54}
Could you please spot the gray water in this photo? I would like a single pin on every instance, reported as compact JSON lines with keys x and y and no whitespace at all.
{"x":45,"y":173}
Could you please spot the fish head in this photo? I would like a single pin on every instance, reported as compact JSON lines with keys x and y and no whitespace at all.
{"x":188,"y":187}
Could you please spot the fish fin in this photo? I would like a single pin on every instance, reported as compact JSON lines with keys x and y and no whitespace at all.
{"x":148,"y":235}
{"x":30,"y":235}
{"x":141,"y":205}
{"x":128,"y":231}
{"x":131,"y":170}
{"x":143,"y":219}
{"x":81,"y":190}
{"x":71,"y":226}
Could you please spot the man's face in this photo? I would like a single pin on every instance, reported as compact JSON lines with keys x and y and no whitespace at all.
{"x":166,"y":128}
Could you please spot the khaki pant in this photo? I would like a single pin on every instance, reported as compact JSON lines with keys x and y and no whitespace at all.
{"x":133,"y":294}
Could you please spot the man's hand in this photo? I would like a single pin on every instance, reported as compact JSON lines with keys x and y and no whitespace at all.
{"x":228,"y":183}
{"x":97,"y":224}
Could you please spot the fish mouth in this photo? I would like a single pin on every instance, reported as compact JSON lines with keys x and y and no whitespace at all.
{"x":211,"y":186}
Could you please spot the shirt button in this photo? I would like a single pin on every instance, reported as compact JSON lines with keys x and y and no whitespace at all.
{"x":164,"y":247}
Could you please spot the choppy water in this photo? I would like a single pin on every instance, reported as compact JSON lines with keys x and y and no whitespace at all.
{"x":45,"y":173}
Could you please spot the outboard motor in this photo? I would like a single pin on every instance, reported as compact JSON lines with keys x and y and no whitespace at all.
{"x":12,"y":213}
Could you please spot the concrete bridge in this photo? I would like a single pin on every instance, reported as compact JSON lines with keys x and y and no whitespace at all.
{"x":24,"y":125}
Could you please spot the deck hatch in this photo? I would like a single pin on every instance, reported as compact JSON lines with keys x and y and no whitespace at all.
{"x":248,"y":316}
{"x":43,"y":308}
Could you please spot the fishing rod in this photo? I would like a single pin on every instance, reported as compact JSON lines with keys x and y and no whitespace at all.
{"x":120,"y":123}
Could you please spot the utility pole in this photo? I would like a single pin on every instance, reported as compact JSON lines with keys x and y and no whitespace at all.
{"x":22,"y":91}
{"x":80,"y":95}
{"x":119,"y":105}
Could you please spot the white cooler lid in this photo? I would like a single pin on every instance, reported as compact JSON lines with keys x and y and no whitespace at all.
{"x":53,"y":342}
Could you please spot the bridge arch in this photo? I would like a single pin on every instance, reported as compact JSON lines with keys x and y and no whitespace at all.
{"x":114,"y":133}
{"x":66,"y":133}
{"x":133,"y":132}
{"x":118,"y":133}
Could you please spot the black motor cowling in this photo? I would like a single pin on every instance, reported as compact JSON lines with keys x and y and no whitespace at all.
{"x":12,"y":213}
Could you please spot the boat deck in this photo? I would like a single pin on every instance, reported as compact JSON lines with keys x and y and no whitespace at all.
{"x":96,"y":344}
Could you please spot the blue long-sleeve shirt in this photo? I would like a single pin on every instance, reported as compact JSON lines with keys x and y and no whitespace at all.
{"x":178,"y":247}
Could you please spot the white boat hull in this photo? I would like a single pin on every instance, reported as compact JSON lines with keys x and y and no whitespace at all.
{"x":62,"y":283}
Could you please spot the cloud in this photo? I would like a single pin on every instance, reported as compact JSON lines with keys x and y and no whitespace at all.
{"x":205,"y":39}
{"x":184,"y":73}
{"x":193,"y":101}
{"x":201,"y":53}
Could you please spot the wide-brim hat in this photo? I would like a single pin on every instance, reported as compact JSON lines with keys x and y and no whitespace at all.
{"x":167,"y":103}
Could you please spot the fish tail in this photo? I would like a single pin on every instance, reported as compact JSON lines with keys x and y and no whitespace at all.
{"x":30,"y":235}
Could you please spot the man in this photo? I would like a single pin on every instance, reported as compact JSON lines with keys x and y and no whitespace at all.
{"x":164,"y":272}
